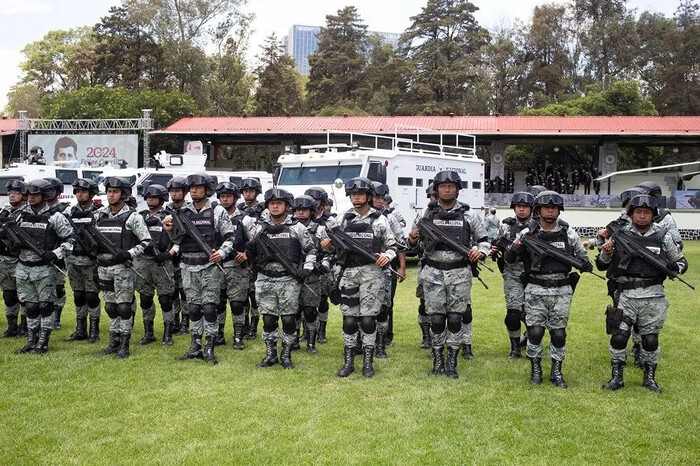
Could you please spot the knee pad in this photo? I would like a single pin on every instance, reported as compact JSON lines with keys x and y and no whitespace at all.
{"x":557,"y":337}
{"x":535,"y":334}
{"x":310,"y":313}
{"x":166,"y":302}
{"x":195,"y":312}
{"x":421,"y":307}
{"x":111,"y":310}
{"x":209,"y":311}
{"x":175,"y":295}
{"x":438,"y":323}
{"x":512,"y":319}
{"x":269,"y":322}
{"x":45,"y":309}
{"x":619,"y":341}
{"x":467,"y":317}
{"x":350,"y":325}
{"x":78,"y":298}
{"x":32,"y":310}
{"x":323,"y":305}
{"x":237,"y":308}
{"x":289,"y":324}
{"x":10,"y":297}
{"x":124,"y":310}
{"x":92,"y":299}
{"x":60,"y":290}
{"x":383,"y":314}
{"x":146,"y":301}
{"x":454,"y":322}
{"x":368,"y":324}
{"x":650,"y":342}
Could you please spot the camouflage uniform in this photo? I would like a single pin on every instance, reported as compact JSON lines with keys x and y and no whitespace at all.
{"x":327,"y":283}
{"x":385,"y":327}
{"x":180,"y":307}
{"x":252,"y":312}
{"x":8,"y":264}
{"x":60,"y":303}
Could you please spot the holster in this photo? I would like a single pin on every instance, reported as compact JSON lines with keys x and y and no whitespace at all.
{"x":334,"y":293}
{"x":613,"y":317}
{"x":574,"y":277}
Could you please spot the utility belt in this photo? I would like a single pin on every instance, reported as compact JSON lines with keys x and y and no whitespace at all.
{"x":275,"y":273}
{"x":355,"y":260}
{"x":447,"y":265}
{"x":194,"y":260}
{"x":109,"y":262}
{"x":572,"y":280}
{"x":32,"y":263}
{"x":638,"y":283}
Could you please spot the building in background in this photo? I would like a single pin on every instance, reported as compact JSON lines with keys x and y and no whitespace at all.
{"x":302,"y":41}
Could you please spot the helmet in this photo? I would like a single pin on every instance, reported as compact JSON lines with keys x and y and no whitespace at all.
{"x":330,"y":202}
{"x":522,"y":198}
{"x":304,"y":202}
{"x":201,"y":179}
{"x":535,"y":189}
{"x":276,"y":194}
{"x":251,"y":183}
{"x":388,"y":199}
{"x":629,"y":194}
{"x":119,"y":183}
{"x":40,"y":186}
{"x":359,"y":185}
{"x":177,"y":182}
{"x":650,"y":188}
{"x":493,"y":211}
{"x":226,"y":187}
{"x":447,"y":176}
{"x":643,"y":200}
{"x":131,"y":201}
{"x":317,"y":193}
{"x":56,"y":183}
{"x":430,"y":190}
{"x":380,"y":189}
{"x":85,"y":183}
{"x":156,"y":190}
{"x":549,"y":198}
{"x":15,"y":185}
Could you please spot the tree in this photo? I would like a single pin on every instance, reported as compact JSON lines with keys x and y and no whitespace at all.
{"x":279,"y":90}
{"x":24,"y":97}
{"x":507,"y":67}
{"x":338,"y":66}
{"x":445,"y":45}
{"x":386,"y":76}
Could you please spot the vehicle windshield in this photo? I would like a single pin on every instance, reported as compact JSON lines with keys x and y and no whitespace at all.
{"x":310,"y":175}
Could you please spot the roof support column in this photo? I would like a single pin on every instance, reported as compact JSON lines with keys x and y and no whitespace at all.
{"x":498,"y":160}
{"x":607,"y":160}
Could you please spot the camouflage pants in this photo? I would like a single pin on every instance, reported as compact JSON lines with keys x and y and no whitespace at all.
{"x":179,"y":304}
{"x":153,"y":274}
{"x":277,"y":296}
{"x":361,"y":291}
{"x":116,"y":283}
{"x":649,"y":314}
{"x":82,"y":278}
{"x":310,"y":293}
{"x":550,"y":311}
{"x":35,"y":285}
{"x":514,"y":291}
{"x":202,"y":286}
{"x":236,"y":282}
{"x":8,"y":283}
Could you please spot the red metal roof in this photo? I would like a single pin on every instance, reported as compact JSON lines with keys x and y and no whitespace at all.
{"x":8,"y":126}
{"x":491,"y":125}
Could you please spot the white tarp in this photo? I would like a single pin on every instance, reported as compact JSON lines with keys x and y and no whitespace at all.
{"x":87,"y":150}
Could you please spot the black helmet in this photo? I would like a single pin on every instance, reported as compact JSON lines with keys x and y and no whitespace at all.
{"x":447,"y":176}
{"x":156,"y":190}
{"x":317,"y":193}
{"x":226,"y":187}
{"x":549,"y":198}
{"x":380,"y":189}
{"x":430,"y":190}
{"x":650,"y":188}
{"x":643,"y":200}
{"x":131,"y":201}
{"x":276,"y":194}
{"x":251,"y":183}
{"x":522,"y":198}
{"x":330,"y":202}
{"x":15,"y":185}
{"x":177,"y":182}
{"x":535,"y":189}
{"x":359,"y":185}
{"x":40,"y":186}
{"x":629,"y":194}
{"x":85,"y":183}
{"x":304,"y":202}
{"x":119,"y":183}
{"x":201,"y":179}
{"x":57,"y":185}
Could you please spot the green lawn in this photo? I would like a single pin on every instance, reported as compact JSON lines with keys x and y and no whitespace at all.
{"x":72,"y":406}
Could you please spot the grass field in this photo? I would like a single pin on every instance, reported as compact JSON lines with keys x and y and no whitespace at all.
{"x":72,"y":406}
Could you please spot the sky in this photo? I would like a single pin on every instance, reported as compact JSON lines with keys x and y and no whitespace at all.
{"x":24,"y":21}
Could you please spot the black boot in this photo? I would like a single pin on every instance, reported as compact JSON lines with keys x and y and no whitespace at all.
{"x":295,"y":344}
{"x":42,"y":346}
{"x":523,"y":340}
{"x":322,"y":331}
{"x":311,"y":342}
{"x":649,"y":380}
{"x":12,"y":327}
{"x":195,"y":351}
{"x":637,"y":353}
{"x":184,"y":325}
{"x":209,"y":349}
{"x":238,"y":337}
{"x":535,"y":371}
{"x":220,"y":338}
{"x":438,"y":360}
{"x":80,"y":330}
{"x":381,"y":345}
{"x":148,"y":336}
{"x":94,"y":329}
{"x":616,"y":380}
{"x":176,"y":323}
{"x":246,"y":323}
{"x":113,"y":346}
{"x":286,"y":356}
{"x":467,"y":352}
{"x":556,"y":376}
{"x":514,"y":348}
{"x":425,"y":333}
{"x":253,"y":329}
{"x":123,"y":351}
{"x":305,"y":333}
{"x":168,"y":328}
{"x":32,"y":339}
{"x":349,"y":365}
{"x":57,"y":310}
{"x":270,"y":358}
{"x":368,"y":361}
{"x":22,"y":326}
{"x":451,"y":364}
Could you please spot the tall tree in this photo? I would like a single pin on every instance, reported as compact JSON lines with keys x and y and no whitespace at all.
{"x":446,"y":45}
{"x":279,"y":90}
{"x":338,"y":66}
{"x":386,"y":76}
{"x":25,"y":97}
{"x":507,"y":66}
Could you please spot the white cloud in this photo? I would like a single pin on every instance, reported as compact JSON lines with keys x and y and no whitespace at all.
{"x":13,"y":7}
{"x":9,"y":72}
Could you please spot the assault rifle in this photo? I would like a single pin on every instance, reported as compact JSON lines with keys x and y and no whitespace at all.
{"x":541,"y":249}
{"x":626,"y":242}
{"x":347,"y":243}
{"x":20,"y":237}
{"x":182,"y":224}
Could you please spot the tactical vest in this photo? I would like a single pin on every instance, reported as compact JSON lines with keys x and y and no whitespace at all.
{"x":286,"y":242}
{"x":238,"y":237}
{"x":160,"y":241}
{"x":39,"y":228}
{"x":4,"y":250}
{"x":114,"y":228}
{"x":363,"y":233}
{"x":662,"y":213}
{"x":204,"y":222}
{"x":80,"y":217}
{"x":452,"y":224}
{"x":637,"y":267}
{"x":254,"y":211}
{"x":515,"y":227}
{"x":559,"y":240}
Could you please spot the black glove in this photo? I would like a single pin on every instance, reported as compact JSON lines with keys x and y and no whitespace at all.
{"x":163,"y":257}
{"x":48,"y":257}
{"x":323,"y":268}
{"x":122,"y":256}
{"x":587,"y":267}
{"x":303,"y":274}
